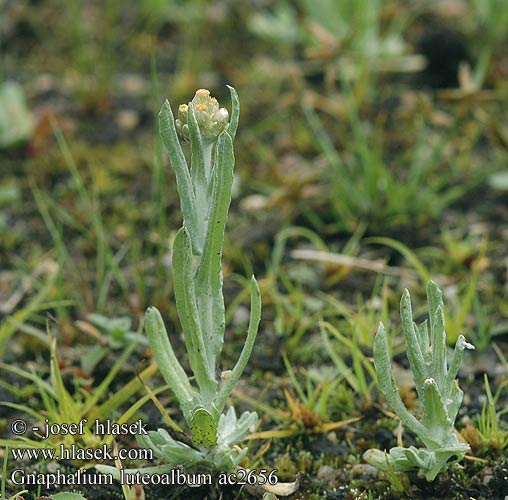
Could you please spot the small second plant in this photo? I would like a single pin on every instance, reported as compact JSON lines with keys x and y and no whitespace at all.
{"x":205,"y":194}
{"x":437,"y":388}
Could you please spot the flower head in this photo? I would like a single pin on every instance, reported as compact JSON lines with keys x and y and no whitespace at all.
{"x":211,"y":119}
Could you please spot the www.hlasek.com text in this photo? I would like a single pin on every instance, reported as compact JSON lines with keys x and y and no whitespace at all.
{"x":74,"y":452}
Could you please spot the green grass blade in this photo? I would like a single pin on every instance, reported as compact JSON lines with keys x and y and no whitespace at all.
{"x":25,"y":409}
{"x":405,"y":252}
{"x":344,"y":370}
{"x":101,"y":390}
{"x":33,"y":377}
{"x":107,"y":409}
{"x":292,"y":375}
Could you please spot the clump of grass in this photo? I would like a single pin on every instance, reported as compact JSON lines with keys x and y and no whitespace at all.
{"x":493,"y":434}
{"x":59,"y":404}
{"x":365,"y":186}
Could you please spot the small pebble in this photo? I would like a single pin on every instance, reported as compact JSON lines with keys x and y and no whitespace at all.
{"x":327,"y":473}
{"x":254,"y":203}
{"x":241,"y":316}
{"x":127,"y":120}
{"x":133,"y":84}
{"x":364,"y":470}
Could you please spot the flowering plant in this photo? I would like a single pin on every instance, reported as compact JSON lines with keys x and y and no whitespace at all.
{"x":205,"y":194}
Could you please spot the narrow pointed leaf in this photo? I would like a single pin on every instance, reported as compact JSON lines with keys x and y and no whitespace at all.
{"x":235,"y":112}
{"x":170,"y":368}
{"x":387,"y":384}
{"x":434,"y":415}
{"x":439,"y":369}
{"x":197,"y":146}
{"x":414,"y":353}
{"x":453,"y":370}
{"x":437,"y":332}
{"x":454,"y":400}
{"x":423,"y":332}
{"x":188,"y":312}
{"x":210,"y":299}
{"x":255,"y":317}
{"x":200,"y":157}
{"x":183,"y":179}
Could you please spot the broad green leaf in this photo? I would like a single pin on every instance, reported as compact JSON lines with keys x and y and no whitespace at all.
{"x":203,"y":428}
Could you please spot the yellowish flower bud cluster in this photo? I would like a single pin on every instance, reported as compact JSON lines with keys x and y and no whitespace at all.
{"x":211,"y":119}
